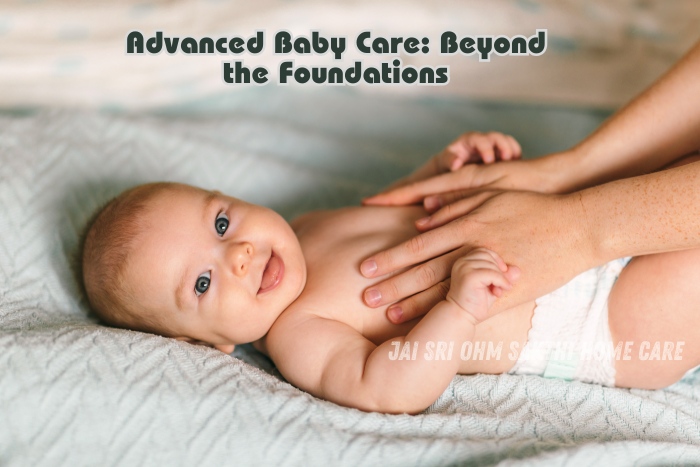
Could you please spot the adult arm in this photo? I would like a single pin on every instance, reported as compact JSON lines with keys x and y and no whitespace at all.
{"x":659,"y":126}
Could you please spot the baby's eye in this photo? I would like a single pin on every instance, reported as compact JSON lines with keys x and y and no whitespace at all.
{"x":221,"y":224}
{"x":202,"y":284}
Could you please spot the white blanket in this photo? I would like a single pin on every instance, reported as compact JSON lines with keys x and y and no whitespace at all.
{"x":76,"y":393}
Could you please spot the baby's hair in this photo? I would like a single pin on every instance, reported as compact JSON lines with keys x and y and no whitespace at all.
{"x":108,"y":241}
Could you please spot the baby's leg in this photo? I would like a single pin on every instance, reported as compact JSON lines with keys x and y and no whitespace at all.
{"x":657,"y":299}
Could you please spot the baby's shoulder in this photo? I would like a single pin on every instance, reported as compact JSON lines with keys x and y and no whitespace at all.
{"x":358,"y":219}
{"x":313,"y":217}
{"x":305,"y":219}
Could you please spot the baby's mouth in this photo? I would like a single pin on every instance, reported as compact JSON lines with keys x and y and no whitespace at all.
{"x":272,"y":275}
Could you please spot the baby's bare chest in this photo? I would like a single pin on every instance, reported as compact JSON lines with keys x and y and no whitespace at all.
{"x":334,"y":245}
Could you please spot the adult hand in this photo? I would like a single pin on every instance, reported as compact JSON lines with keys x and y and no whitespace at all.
{"x":549,"y":174}
{"x":470,"y":148}
{"x":545,"y":236}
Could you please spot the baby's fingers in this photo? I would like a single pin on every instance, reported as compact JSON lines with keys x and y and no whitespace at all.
{"x":492,"y":256}
{"x":515,"y":146}
{"x":502,"y":143}
{"x":487,"y":280}
{"x":484,"y":146}
{"x":484,"y":255}
{"x":456,"y":155}
{"x":477,"y":264}
{"x":490,"y":278}
{"x":512,"y":273}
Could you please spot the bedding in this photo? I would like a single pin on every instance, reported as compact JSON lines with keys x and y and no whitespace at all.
{"x":74,"y":392}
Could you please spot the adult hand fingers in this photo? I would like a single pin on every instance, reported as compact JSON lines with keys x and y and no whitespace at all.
{"x":453,"y":211}
{"x":432,"y":203}
{"x":421,"y":303}
{"x":416,"y":191}
{"x":418,"y":304}
{"x":409,"y":282}
{"x":414,"y":250}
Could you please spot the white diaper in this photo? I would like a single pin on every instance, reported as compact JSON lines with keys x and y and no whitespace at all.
{"x":570,"y":337}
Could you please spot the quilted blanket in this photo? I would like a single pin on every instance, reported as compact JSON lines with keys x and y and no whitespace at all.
{"x":73,"y":392}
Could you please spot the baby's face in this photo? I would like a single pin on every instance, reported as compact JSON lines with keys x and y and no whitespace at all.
{"x":218,"y":269}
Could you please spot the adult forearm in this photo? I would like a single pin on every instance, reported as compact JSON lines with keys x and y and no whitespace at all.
{"x":643,"y":215}
{"x":659,"y":126}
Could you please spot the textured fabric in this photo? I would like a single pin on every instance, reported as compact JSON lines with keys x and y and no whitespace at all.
{"x":570,"y":337}
{"x":76,"y":393}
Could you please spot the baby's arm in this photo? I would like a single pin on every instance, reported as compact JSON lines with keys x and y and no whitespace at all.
{"x":339,"y":364}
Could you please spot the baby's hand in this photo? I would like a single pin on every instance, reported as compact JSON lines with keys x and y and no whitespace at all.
{"x":468,"y":148}
{"x":474,"y":147}
{"x":478,"y":278}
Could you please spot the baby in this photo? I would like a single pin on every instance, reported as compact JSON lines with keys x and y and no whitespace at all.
{"x":201,"y":266}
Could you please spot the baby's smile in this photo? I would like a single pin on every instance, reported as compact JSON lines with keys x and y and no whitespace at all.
{"x":215,"y":268}
{"x":272,"y":274}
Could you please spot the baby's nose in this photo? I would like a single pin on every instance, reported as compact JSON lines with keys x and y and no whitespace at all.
{"x":240,"y":255}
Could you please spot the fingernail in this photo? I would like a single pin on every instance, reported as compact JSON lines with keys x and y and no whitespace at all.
{"x":395,"y":313}
{"x":368,"y":268}
{"x":373,"y":296}
{"x":422,"y":222}
{"x":432,"y":203}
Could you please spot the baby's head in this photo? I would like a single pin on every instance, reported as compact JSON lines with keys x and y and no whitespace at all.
{"x":180,"y":261}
